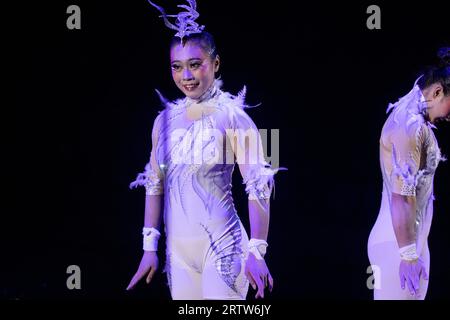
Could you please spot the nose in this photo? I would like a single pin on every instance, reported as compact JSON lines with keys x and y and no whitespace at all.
{"x":187,"y":74}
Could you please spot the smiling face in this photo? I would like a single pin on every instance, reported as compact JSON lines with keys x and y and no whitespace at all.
{"x":192,"y":69}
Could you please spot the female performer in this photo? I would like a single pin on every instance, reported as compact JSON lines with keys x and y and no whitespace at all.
{"x":196,"y":142}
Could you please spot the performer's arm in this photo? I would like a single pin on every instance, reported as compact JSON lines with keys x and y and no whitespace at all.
{"x":258,"y":178}
{"x":403,"y":163}
{"x":259,"y":216}
{"x":404,"y":169}
{"x":152,"y":179}
{"x":153,"y":206}
{"x":403,"y":212}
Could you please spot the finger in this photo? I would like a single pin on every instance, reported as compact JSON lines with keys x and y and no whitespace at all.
{"x":150,"y":275}
{"x":264,"y":280}
{"x":138,"y":276}
{"x":410,"y":285}
{"x":424,"y":273}
{"x":260,"y":285}
{"x":251,"y":280}
{"x":270,"y":282}
{"x":402,"y":280}
{"x":260,"y":292}
{"x":416,"y":283}
{"x":132,"y":283}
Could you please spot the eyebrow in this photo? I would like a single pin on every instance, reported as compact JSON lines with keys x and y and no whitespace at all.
{"x":191,"y":59}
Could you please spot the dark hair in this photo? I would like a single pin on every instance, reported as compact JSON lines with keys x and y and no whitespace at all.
{"x":439,"y":73}
{"x":204,"y":39}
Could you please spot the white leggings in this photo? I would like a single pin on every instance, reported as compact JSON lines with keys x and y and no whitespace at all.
{"x":199,"y":268}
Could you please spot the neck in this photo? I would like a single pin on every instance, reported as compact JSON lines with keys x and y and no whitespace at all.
{"x":209,"y":93}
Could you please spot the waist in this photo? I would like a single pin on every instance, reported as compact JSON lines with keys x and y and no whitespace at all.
{"x":202,"y":223}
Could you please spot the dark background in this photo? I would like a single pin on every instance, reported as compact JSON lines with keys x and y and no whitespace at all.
{"x":78,"y":132}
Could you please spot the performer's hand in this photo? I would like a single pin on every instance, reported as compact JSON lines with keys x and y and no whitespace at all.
{"x":410,"y":272}
{"x":258,"y":274}
{"x":147,"y":267}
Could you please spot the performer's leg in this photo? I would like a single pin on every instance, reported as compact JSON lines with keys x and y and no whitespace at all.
{"x":184,"y":281}
{"x":224,"y":278}
{"x":224,"y":268}
{"x":184,"y":278}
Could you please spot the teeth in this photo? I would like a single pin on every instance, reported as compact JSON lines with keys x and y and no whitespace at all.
{"x":190,"y":87}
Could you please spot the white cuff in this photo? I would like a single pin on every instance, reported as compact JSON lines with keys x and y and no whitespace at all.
{"x":151,"y":237}
{"x":257,"y":247}
{"x":409,"y":252}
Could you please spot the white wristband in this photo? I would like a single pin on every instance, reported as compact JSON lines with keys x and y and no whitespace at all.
{"x":257,"y":247}
{"x":409,"y":252}
{"x":151,"y":237}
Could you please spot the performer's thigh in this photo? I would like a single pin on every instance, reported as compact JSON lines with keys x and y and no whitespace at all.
{"x":186,"y":283}
{"x":224,"y":279}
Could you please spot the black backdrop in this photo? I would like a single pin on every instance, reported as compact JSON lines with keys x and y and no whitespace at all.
{"x":78,"y":131}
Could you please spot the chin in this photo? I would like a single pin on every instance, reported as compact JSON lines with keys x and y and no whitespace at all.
{"x":192,"y":95}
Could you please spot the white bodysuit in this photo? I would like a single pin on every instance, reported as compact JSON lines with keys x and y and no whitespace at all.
{"x":409,"y":156}
{"x":191,"y":163}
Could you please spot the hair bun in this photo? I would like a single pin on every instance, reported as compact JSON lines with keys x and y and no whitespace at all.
{"x":444,"y":56}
